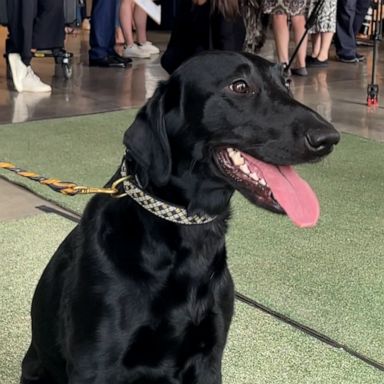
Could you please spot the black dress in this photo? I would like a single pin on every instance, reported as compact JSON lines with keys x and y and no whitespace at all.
{"x":197,"y":29}
{"x":35,"y":24}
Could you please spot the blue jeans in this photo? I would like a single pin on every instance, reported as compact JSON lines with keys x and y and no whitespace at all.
{"x":103,"y":22}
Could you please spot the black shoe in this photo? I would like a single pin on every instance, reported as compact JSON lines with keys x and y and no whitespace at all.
{"x":125,"y":60}
{"x":112,"y":61}
{"x":316,"y":63}
{"x":309,"y":59}
{"x":299,"y":71}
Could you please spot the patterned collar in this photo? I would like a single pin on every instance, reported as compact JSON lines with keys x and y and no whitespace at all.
{"x":160,"y":208}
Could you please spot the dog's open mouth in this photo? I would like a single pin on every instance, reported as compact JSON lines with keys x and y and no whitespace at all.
{"x":277,"y":188}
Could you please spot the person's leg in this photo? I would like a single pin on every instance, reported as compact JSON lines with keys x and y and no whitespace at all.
{"x":140,"y":18}
{"x":326,"y":41}
{"x":126,"y":21}
{"x":361,"y":11}
{"x":143,"y":48}
{"x":281,"y":35}
{"x":119,"y":36}
{"x":21,"y":15}
{"x":49,"y":26}
{"x":130,"y":16}
{"x":345,"y":41}
{"x":102,"y":35}
{"x":316,"y":44}
{"x":298,"y":26}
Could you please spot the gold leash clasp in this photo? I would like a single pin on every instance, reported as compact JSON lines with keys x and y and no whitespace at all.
{"x":113,"y":191}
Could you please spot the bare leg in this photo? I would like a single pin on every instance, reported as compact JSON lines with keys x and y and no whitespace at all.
{"x":119,"y":37}
{"x":281,"y":34}
{"x":316,"y":43}
{"x":126,"y":20}
{"x":298,"y":25}
{"x":140,"y":18}
{"x":326,"y":40}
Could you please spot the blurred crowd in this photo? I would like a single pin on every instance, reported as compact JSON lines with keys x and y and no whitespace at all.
{"x":198,"y":25}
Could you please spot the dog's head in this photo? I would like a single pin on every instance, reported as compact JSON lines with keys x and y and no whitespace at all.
{"x":226,"y":121}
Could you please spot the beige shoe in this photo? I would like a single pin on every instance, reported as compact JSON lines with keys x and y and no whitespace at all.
{"x":24,"y":79}
{"x":135,"y":51}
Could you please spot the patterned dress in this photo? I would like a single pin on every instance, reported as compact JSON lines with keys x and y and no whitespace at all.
{"x":256,"y":24}
{"x":287,"y":7}
{"x":326,"y":19}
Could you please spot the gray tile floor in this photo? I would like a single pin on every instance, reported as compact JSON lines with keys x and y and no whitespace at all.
{"x":338,"y":92}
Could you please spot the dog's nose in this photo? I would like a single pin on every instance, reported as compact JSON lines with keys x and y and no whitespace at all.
{"x":320,"y":141}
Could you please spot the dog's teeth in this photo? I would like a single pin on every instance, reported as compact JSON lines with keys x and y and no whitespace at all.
{"x":254,"y":176}
{"x":244,"y":168}
{"x":230,"y":150}
{"x":237,"y":158}
{"x":263,"y":182}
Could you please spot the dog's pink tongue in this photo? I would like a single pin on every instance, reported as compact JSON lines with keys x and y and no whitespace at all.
{"x":294,"y":195}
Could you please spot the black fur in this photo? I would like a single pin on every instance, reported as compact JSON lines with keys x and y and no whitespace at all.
{"x":130,"y":298}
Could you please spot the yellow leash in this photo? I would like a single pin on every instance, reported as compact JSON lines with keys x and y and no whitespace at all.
{"x":64,"y":187}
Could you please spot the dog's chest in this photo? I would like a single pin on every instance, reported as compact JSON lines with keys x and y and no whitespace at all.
{"x":182,"y":321}
{"x":171,"y":341}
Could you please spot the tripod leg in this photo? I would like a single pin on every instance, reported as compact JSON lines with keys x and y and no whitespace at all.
{"x":373,"y":88}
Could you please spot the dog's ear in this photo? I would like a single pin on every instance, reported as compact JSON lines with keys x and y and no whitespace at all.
{"x":147,"y":142}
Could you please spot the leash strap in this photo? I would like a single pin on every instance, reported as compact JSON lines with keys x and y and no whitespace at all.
{"x":154,"y":205}
{"x":65,"y":187}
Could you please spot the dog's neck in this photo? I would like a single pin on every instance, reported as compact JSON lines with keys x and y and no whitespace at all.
{"x":159,"y":207}
{"x":198,"y":198}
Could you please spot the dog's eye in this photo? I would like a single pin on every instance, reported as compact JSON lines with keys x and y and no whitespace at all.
{"x":240,"y":86}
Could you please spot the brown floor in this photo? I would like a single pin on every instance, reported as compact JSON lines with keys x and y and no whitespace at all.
{"x":338,"y":92}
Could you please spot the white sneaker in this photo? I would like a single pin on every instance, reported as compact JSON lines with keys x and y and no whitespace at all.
{"x":18,"y":70}
{"x":149,"y":47}
{"x":24,"y":79}
{"x":136,"y":52}
{"x":32,"y":83}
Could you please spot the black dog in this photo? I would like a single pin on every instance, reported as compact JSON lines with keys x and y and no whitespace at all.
{"x":139,"y":292}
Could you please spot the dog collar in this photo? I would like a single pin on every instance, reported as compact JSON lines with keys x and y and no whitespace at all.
{"x":160,"y":208}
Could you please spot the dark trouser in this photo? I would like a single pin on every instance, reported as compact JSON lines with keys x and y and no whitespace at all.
{"x":37,"y":24}
{"x":227,"y":34}
{"x":103,"y":22}
{"x":197,"y":29}
{"x":190,"y":34}
{"x":350,"y":16}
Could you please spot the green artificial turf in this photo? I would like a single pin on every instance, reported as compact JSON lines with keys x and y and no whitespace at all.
{"x":329,"y":278}
{"x":84,"y":150}
{"x":260,"y":349}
